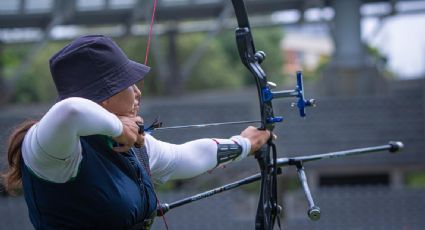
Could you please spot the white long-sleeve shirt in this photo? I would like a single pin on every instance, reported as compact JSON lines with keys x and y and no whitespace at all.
{"x":52,"y":148}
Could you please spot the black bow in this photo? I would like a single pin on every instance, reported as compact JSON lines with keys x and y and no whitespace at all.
{"x":267,"y":206}
{"x":268,"y":209}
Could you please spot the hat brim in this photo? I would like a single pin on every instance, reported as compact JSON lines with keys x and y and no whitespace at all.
{"x":112,"y":83}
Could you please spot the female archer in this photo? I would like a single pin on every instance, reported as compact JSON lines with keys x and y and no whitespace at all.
{"x":85,"y":164}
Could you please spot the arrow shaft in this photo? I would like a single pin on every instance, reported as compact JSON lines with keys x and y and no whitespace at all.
{"x":207,"y":125}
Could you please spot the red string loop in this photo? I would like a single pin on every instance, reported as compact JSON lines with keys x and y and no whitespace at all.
{"x":148,"y":46}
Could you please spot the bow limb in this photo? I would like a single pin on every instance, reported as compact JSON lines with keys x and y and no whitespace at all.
{"x":252,"y":59}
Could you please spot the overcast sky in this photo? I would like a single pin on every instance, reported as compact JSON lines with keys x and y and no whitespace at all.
{"x":402,"y":39}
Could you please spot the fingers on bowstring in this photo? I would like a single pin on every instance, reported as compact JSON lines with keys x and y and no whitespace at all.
{"x":138,"y":119}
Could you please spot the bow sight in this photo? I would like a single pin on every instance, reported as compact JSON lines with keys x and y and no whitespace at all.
{"x":268,"y":208}
{"x":298,"y":92}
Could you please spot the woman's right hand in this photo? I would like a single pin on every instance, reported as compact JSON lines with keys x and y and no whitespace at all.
{"x":130,"y":135}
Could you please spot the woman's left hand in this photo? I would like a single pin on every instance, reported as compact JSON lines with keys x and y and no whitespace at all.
{"x":257,"y":137}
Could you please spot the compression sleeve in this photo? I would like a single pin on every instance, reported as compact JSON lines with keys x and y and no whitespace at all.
{"x":170,"y":161}
{"x":52,"y":149}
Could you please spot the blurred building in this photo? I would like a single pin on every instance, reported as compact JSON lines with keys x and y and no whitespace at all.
{"x":304,"y":48}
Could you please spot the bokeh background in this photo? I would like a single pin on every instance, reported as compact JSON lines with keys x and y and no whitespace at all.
{"x":363,"y":61}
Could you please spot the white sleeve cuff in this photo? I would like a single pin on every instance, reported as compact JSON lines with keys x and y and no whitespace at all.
{"x":244,"y":143}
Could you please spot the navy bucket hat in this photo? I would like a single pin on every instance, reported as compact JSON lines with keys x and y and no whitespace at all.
{"x":95,"y":68}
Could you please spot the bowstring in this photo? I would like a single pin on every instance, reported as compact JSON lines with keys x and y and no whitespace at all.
{"x":148,"y":46}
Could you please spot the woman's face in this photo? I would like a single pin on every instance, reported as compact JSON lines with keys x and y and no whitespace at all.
{"x":124,"y":103}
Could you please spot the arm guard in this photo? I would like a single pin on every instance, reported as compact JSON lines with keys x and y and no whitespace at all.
{"x":227,"y":153}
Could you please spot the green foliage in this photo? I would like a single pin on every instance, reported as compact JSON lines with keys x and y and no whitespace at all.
{"x":374,"y":52}
{"x":11,"y":57}
{"x":268,"y":40}
{"x":323,"y":61}
{"x":35,"y":84}
{"x":135,"y":48}
{"x":219,"y":67}
{"x":416,"y":179}
{"x":265,"y":39}
{"x":213,"y":69}
{"x":380,"y":60}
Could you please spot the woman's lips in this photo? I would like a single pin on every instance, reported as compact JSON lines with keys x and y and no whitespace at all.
{"x":136,"y":108}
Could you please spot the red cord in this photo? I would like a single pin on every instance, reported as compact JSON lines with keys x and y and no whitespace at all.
{"x":158,"y":203}
{"x":148,"y":46}
{"x":150,"y":32}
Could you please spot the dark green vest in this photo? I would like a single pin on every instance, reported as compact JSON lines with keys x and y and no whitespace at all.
{"x":111,"y":191}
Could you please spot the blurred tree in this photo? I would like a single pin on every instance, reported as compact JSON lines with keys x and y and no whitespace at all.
{"x":380,"y":60}
{"x":3,"y":87}
{"x":11,"y":58}
{"x":265,"y":39}
{"x":35,"y":84}
{"x":415,"y":179}
{"x":268,"y":40}
{"x":219,"y":67}
{"x":214,"y":69}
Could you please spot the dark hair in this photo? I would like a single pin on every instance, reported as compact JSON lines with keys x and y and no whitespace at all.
{"x":12,"y":178}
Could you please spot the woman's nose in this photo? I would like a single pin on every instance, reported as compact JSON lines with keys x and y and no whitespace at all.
{"x":137,"y":90}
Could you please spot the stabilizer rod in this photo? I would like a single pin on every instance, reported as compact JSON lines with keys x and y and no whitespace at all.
{"x":166,"y":207}
{"x":392,"y":147}
{"x":314,"y":211}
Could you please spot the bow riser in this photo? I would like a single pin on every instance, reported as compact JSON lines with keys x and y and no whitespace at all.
{"x":268,"y":208}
